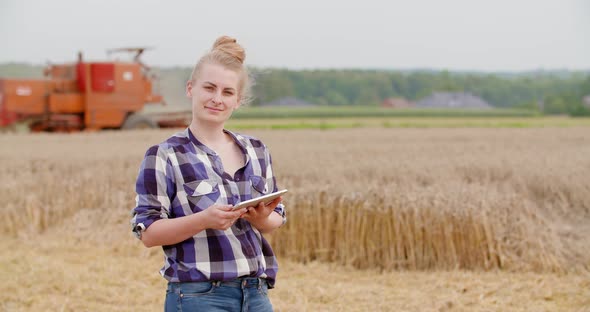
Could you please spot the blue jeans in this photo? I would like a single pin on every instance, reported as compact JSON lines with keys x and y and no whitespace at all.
{"x":240,"y":295}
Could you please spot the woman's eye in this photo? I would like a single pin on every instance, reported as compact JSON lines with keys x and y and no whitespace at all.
{"x":209,"y":88}
{"x":228,"y":93}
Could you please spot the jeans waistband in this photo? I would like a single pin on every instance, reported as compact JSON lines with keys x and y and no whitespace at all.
{"x":240,"y":282}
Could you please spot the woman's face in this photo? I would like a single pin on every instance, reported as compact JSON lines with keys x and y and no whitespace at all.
{"x":214,"y":93}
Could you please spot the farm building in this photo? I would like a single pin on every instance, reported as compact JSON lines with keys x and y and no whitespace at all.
{"x":453,"y":100}
{"x":287,"y":101}
{"x":396,"y":102}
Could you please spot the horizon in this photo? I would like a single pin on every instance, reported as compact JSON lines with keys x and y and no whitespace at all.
{"x":539,"y":71}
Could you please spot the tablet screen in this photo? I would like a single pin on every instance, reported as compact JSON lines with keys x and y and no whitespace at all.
{"x":255,"y":201}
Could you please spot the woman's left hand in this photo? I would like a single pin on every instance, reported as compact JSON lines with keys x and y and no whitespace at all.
{"x":259,"y":216}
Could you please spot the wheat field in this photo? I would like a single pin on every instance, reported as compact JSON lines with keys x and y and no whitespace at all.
{"x":379,"y":219}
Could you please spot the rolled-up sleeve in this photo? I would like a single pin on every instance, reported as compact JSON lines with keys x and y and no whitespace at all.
{"x":153,"y":188}
{"x":280,"y":208}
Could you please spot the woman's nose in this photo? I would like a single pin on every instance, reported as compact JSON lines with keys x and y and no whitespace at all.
{"x":217,"y":98}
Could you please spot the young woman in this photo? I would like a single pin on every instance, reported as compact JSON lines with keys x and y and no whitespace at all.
{"x":215,"y":258}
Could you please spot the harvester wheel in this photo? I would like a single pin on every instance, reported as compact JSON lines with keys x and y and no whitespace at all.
{"x":37,"y":126}
{"x":139,"y":122}
{"x":8,"y":129}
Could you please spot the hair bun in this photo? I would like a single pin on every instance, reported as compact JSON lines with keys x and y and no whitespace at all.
{"x":229,"y":46}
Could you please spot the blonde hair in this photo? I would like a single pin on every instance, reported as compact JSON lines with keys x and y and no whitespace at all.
{"x":231,"y":55}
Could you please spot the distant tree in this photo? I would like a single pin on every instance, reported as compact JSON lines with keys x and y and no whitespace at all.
{"x":272,"y":85}
{"x":335,"y":98}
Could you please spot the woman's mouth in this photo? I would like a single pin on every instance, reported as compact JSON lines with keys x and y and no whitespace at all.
{"x":213,"y":109}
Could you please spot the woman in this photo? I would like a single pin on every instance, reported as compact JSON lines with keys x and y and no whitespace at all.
{"x":215,"y":258}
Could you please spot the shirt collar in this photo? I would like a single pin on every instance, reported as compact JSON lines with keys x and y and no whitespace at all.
{"x":242,"y":143}
{"x":240,"y":140}
{"x":198,"y":143}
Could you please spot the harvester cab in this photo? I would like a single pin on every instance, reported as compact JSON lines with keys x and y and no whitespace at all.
{"x":136,"y":57}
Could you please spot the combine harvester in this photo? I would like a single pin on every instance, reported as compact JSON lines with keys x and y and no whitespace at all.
{"x":87,"y":96}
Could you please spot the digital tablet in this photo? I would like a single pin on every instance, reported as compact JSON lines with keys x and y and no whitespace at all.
{"x":255,"y":201}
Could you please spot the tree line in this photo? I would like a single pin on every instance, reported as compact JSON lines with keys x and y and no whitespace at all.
{"x":549,"y":92}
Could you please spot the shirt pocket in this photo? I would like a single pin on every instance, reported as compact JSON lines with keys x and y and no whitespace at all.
{"x":201,"y":194}
{"x":260,"y":185}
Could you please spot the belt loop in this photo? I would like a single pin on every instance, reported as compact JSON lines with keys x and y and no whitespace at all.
{"x":259,"y":283}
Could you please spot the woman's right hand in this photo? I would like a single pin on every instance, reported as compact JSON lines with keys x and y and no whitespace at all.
{"x":172,"y":231}
{"x":221,"y":217}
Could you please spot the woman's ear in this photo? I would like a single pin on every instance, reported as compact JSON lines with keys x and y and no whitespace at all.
{"x":189,"y":88}
{"x":239,"y":103}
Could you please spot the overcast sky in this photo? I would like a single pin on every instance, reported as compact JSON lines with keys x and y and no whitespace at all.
{"x":486,"y":35}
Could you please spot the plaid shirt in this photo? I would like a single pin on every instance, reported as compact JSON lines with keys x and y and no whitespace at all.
{"x":182,"y":176}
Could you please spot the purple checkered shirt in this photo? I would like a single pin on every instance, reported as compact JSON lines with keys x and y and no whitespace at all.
{"x":181,"y":176}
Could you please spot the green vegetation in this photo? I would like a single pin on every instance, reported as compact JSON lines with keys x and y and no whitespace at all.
{"x":407,"y":122}
{"x":372,"y":111}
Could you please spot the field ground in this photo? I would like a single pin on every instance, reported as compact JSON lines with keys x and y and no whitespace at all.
{"x":380,"y":219}
{"x":58,"y":272}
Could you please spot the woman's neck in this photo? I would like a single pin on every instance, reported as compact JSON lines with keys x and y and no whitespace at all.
{"x":207,"y":134}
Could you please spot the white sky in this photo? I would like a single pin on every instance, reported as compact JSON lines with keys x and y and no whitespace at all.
{"x":487,"y":35}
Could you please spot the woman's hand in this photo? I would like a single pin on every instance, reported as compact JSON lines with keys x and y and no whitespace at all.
{"x":262,"y":217}
{"x":221,"y":217}
{"x":175,"y":230}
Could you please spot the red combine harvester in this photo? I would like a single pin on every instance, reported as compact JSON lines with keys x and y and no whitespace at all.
{"x":86,"y":96}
